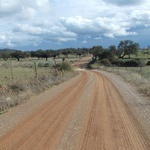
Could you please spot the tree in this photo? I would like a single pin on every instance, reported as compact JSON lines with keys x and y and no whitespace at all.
{"x":112,"y":48}
{"x":27,"y":54}
{"x":107,"y":55}
{"x":45,"y":54}
{"x":79,"y":53}
{"x":17,"y":54}
{"x":96,"y":51}
{"x":66,"y":52}
{"x":54,"y":54}
{"x":127,"y":47}
{"x":5,"y":55}
{"x":41,"y":54}
{"x":37,"y":53}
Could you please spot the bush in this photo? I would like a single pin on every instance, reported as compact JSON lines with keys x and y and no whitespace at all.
{"x":5,"y":65}
{"x":148,"y":63}
{"x":16,"y":87}
{"x":65,"y":66}
{"x":89,"y":65}
{"x":41,"y":64}
{"x":105,"y":62}
{"x":132,"y":63}
{"x":107,"y":55}
{"x":118,"y":63}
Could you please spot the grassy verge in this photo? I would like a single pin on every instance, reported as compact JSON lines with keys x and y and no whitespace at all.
{"x":133,"y":75}
{"x":17,"y":92}
{"x":134,"y":70}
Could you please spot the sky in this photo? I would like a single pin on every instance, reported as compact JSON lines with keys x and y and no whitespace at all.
{"x":56,"y":24}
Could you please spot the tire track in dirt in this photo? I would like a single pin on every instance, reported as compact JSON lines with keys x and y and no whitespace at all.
{"x":88,"y":114}
{"x":71,"y":136}
{"x":135,"y":139}
{"x":58,"y":108}
{"x":111,"y":124}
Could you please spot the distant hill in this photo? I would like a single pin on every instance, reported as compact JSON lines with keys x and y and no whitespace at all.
{"x":7,"y":50}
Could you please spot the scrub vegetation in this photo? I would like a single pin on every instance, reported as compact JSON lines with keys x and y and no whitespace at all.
{"x":21,"y":78}
{"x":25,"y":73}
{"x":127,"y":60}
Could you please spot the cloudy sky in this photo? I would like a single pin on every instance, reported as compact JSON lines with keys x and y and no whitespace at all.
{"x":55,"y":24}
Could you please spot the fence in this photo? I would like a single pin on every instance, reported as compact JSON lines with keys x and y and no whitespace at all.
{"x":143,"y":71}
{"x":19,"y":71}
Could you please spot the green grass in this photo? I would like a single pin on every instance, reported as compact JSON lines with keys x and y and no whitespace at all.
{"x":24,"y":69}
{"x":18,"y":74}
{"x":24,"y":84}
{"x":20,"y":71}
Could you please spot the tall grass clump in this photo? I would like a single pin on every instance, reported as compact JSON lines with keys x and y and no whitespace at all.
{"x":65,"y":66}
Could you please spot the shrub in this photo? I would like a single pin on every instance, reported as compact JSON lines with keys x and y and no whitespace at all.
{"x":118,"y":63}
{"x":107,"y":55}
{"x":105,"y":62}
{"x":16,"y":87}
{"x":5,"y":65}
{"x":27,"y":65}
{"x":148,"y":63}
{"x":132,"y":63}
{"x":65,"y":66}
{"x":89,"y":64}
{"x":41,"y":64}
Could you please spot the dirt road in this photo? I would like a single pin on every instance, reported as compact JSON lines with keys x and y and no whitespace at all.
{"x":87,"y":113}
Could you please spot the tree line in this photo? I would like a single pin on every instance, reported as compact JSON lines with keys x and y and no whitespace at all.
{"x":124,"y":48}
{"x":18,"y":54}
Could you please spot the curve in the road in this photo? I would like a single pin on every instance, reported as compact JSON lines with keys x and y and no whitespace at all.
{"x":87,"y":114}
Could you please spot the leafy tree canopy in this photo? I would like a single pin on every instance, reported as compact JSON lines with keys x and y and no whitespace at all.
{"x":127,"y":47}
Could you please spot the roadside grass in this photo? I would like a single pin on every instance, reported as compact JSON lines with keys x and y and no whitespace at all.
{"x":138,"y":76}
{"x":142,"y":71}
{"x":20,"y":73}
{"x":13,"y":71}
{"x":27,"y":81}
{"x":135,"y":76}
{"x":140,"y":55}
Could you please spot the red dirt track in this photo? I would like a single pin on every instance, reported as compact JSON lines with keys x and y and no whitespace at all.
{"x":87,"y":114}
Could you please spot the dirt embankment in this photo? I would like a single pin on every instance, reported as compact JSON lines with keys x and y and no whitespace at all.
{"x":86,"y":113}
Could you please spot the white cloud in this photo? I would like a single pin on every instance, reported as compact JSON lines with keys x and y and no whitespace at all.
{"x":2,"y":37}
{"x":9,"y":7}
{"x":109,"y":35}
{"x":28,"y":13}
{"x":26,"y":22}
{"x":84,"y":42}
{"x":108,"y":27}
{"x":98,"y":38}
{"x":141,"y":18}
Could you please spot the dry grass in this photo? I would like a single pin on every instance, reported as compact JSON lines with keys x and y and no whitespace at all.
{"x":133,"y":75}
{"x":20,"y":71}
{"x":24,"y":84}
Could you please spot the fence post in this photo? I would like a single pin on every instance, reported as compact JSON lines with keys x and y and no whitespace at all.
{"x":11,"y":71}
{"x":140,"y":71}
{"x":35,"y":70}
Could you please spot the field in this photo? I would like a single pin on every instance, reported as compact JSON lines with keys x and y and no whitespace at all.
{"x":14,"y":71}
{"x":20,"y":80}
